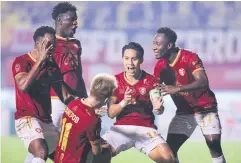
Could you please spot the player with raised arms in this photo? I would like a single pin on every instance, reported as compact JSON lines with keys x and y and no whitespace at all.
{"x":34,"y":73}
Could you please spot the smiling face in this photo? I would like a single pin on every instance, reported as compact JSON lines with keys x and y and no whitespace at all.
{"x":131,"y":62}
{"x":161,"y":45}
{"x":68,"y":23}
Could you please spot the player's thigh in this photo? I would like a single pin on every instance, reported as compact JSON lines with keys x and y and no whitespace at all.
{"x":58,"y":108}
{"x":209,"y":123}
{"x":182,"y":124}
{"x":147,"y":139}
{"x":162,"y":153}
{"x":51,"y":135}
{"x":28,"y":129}
{"x":119,"y":141}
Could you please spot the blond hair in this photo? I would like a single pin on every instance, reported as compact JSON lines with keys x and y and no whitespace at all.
{"x":103,"y":86}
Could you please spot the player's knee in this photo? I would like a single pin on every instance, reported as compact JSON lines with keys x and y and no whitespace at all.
{"x":213,"y":143}
{"x":169,"y":158}
{"x":41,"y":153}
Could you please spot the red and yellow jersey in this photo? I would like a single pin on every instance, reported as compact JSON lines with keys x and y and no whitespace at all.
{"x":179,"y":73}
{"x":139,"y":112}
{"x":36,"y":102}
{"x":67,"y":54}
{"x":79,"y":126}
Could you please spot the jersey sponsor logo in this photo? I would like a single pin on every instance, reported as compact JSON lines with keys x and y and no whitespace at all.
{"x":71,"y":115}
{"x":17,"y":67}
{"x":142,"y":90}
{"x":181,"y":71}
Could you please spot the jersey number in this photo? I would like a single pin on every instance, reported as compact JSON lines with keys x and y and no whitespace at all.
{"x":65,"y":129}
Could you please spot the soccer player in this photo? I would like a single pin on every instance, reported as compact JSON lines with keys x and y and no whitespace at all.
{"x":133,"y":109}
{"x":185,"y":80}
{"x":67,"y":54}
{"x":34,"y":73}
{"x":80,"y":127}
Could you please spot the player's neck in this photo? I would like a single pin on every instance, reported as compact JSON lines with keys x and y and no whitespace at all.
{"x":60,"y":33}
{"x":34,"y":53}
{"x":133,"y":78}
{"x":173,"y":55}
{"x":90,"y":100}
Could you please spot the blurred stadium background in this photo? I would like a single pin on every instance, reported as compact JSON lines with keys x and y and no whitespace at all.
{"x":212,"y":29}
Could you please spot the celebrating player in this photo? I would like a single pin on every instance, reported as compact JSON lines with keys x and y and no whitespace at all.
{"x":34,"y":73}
{"x":80,"y":129}
{"x":67,"y":55}
{"x":185,"y":80}
{"x":131,"y":105}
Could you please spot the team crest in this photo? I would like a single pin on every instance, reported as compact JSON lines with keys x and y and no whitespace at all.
{"x":181,"y":71}
{"x":17,"y":67}
{"x":142,"y":90}
{"x":38,"y":130}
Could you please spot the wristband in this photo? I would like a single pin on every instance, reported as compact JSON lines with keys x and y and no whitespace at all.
{"x":122,"y":104}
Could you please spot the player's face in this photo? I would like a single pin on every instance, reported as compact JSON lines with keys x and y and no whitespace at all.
{"x":69,"y":23}
{"x":160,"y":46}
{"x":52,"y":40}
{"x":131,"y":62}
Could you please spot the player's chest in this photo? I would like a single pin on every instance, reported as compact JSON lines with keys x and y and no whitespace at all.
{"x":70,"y":56}
{"x":139,"y":91}
{"x":176,"y":75}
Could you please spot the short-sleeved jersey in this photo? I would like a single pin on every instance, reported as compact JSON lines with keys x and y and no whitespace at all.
{"x":67,"y":54}
{"x":140,"y":111}
{"x":179,"y":73}
{"x":79,"y":126}
{"x":36,"y":101}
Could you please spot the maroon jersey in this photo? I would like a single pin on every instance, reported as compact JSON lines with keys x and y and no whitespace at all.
{"x":36,"y":102}
{"x":79,"y":126}
{"x":179,"y":73}
{"x":139,"y":112}
{"x":67,"y":55}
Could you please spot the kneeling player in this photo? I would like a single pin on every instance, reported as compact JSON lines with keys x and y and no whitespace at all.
{"x":133,"y":109}
{"x":80,"y":128}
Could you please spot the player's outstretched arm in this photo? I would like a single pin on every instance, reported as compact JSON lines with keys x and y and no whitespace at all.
{"x":25,"y":80}
{"x":201,"y":81}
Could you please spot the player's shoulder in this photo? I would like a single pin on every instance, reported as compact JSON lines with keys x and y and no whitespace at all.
{"x":161,"y":63}
{"x":119,"y":76}
{"x":20,"y":59}
{"x":150,"y":77}
{"x":188,"y":53}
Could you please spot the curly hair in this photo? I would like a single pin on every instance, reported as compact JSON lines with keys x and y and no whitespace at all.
{"x":41,"y":31}
{"x":169,"y":33}
{"x":62,"y":8}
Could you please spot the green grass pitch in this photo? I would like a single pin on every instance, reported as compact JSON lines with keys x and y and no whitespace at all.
{"x":13,"y":151}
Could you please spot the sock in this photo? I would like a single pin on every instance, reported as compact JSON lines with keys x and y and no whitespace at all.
{"x":38,"y":160}
{"x":220,"y":159}
{"x":29,"y":158}
{"x":176,"y":160}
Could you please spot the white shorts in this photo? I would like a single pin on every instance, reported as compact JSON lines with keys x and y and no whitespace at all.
{"x":124,"y":137}
{"x":185,"y":124}
{"x":58,"y":108}
{"x":30,"y":128}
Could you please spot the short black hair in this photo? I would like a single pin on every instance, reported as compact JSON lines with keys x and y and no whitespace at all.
{"x":135,"y":46}
{"x":41,"y":31}
{"x":62,"y":8}
{"x":169,"y":33}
